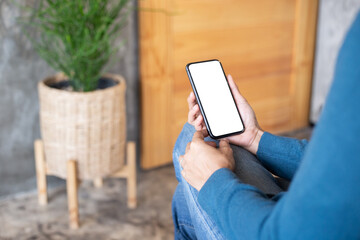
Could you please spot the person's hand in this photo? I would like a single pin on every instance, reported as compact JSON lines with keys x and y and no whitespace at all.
{"x":194,"y":116}
{"x":250,"y":138}
{"x":202,"y":159}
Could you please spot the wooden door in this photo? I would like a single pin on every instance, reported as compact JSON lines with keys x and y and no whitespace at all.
{"x":267,"y":46}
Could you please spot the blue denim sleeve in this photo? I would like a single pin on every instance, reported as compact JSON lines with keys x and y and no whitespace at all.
{"x":281,"y":155}
{"x":323,"y":199}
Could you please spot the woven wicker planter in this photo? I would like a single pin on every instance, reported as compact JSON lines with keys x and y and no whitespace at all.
{"x":87,"y":127}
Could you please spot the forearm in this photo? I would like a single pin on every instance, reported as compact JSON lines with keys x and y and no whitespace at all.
{"x":242,"y":211}
{"x":238,"y":209}
{"x":281,"y":155}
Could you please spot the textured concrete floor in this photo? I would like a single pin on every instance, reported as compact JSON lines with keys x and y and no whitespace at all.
{"x":103,"y":212}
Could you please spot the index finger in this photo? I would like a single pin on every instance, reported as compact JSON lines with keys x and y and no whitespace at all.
{"x":191,"y":100}
{"x":224,"y":143}
{"x":200,"y":135}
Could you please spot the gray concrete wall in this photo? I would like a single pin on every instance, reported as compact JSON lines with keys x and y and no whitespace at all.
{"x":20,"y":70}
{"x":335,"y":17}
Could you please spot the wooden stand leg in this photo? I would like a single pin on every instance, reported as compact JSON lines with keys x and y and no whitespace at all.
{"x":40,"y":172}
{"x":98,"y":182}
{"x":131,"y":177}
{"x":72,"y":185}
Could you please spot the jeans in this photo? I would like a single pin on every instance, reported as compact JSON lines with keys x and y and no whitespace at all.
{"x":190,"y":220}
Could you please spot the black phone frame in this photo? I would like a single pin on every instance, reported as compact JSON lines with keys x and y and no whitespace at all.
{"x":200,"y":105}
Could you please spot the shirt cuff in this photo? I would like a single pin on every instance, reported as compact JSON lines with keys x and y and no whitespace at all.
{"x":265,"y":144}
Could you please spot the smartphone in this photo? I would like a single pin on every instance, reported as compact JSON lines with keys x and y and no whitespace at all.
{"x":217,"y":105}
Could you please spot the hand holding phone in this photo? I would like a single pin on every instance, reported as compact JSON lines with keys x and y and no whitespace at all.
{"x":217,"y":105}
{"x":250,"y":138}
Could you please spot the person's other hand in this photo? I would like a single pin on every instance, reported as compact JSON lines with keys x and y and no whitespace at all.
{"x":194,"y":116}
{"x":202,"y":159}
{"x":250,"y":138}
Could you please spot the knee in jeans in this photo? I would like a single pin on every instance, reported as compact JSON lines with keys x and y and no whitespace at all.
{"x":184,"y":137}
{"x":179,"y":149}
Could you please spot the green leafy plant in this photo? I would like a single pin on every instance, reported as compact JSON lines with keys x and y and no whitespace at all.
{"x":77,"y":36}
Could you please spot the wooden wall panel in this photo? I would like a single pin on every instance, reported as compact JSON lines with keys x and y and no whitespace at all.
{"x":155,"y":85}
{"x":267,"y":46}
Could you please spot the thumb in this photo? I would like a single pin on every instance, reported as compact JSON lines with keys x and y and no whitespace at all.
{"x":235,"y":90}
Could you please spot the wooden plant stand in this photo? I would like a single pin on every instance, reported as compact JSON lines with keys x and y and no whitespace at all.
{"x":72,"y":181}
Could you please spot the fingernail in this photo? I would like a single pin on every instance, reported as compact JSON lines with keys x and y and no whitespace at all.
{"x":194,"y":107}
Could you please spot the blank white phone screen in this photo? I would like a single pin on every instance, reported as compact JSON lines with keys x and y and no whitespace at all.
{"x":215,"y":97}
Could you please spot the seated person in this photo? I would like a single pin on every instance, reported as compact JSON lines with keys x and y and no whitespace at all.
{"x":226,"y":189}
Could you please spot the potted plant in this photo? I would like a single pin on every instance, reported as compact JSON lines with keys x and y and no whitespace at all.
{"x":82,"y":110}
